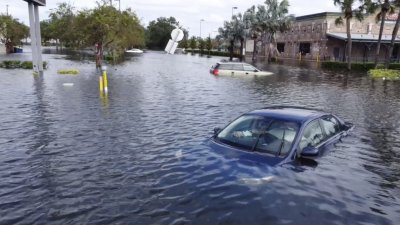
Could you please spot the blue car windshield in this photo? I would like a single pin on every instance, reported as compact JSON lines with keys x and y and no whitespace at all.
{"x":261,"y":134}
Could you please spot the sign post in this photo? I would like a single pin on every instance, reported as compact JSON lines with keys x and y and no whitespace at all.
{"x":176,"y":36}
{"x":36,"y":40}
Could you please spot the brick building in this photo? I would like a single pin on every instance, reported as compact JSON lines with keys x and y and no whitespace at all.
{"x":316,"y":35}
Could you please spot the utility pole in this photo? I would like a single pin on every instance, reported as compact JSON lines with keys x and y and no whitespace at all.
{"x":7,"y":9}
{"x":119,"y":4}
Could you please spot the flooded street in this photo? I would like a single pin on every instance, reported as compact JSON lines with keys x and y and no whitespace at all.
{"x":136,"y":156}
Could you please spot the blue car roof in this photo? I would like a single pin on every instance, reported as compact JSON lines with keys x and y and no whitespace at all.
{"x":289,"y":113}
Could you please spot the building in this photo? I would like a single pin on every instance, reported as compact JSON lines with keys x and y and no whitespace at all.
{"x":316,"y":36}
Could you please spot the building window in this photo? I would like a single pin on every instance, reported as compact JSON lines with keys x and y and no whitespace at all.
{"x":280,"y":47}
{"x":304,"y":48}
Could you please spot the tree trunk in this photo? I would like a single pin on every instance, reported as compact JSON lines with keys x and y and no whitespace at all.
{"x":241,"y":49}
{"x":378,"y":46}
{"x":9,"y":47}
{"x":254,"y":49}
{"x":349,"y":44}
{"x":231,"y":50}
{"x":394,"y":34}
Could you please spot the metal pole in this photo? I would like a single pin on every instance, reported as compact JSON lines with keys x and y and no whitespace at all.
{"x":233,"y":9}
{"x":7,"y":9}
{"x":200,"y":26}
{"x":38,"y":38}
{"x":33,"y":37}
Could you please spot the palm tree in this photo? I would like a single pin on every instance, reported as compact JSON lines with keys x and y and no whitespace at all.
{"x":233,"y":31}
{"x":394,"y":34}
{"x":269,"y":19}
{"x":249,"y":18}
{"x":346,"y":6}
{"x":385,"y":7}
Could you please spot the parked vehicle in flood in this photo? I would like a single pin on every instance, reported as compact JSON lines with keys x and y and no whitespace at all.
{"x":236,"y":69}
{"x":280,"y":134}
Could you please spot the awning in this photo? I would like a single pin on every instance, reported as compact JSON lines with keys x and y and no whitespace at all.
{"x":370,"y":38}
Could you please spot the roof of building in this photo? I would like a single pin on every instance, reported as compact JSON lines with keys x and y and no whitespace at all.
{"x":318,"y":15}
{"x":363,"y":37}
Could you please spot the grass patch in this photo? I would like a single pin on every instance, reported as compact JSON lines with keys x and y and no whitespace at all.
{"x":74,"y":72}
{"x":385,"y":74}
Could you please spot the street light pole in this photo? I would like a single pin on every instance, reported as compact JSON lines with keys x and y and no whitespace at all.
{"x":119,"y":4}
{"x":233,"y":9}
{"x":200,"y":26}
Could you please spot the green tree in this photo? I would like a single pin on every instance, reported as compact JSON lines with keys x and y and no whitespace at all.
{"x":12,"y":32}
{"x":61,"y":24}
{"x":385,"y":8}
{"x":202,"y":44}
{"x":159,"y":32}
{"x":270,"y":18}
{"x":209,"y":45}
{"x":394,"y":34}
{"x":233,"y":31}
{"x":348,"y":10}
{"x":193,"y":43}
{"x":185,"y":42}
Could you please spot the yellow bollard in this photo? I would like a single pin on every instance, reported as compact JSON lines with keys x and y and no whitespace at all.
{"x":105,"y":81}
{"x":101,"y":84}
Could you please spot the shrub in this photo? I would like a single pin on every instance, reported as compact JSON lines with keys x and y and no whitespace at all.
{"x":68,"y":71}
{"x":386,"y":74}
{"x":339,"y":66}
{"x":10,"y":64}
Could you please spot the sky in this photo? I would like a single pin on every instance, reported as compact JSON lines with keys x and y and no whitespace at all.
{"x":189,"y":13}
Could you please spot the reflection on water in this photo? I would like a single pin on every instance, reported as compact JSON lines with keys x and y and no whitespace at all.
{"x":135,"y":156}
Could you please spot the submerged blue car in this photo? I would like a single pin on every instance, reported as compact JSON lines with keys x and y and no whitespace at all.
{"x":280,"y":134}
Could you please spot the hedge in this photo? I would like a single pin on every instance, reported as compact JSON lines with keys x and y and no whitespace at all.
{"x":362,"y":67}
{"x":15,"y":64}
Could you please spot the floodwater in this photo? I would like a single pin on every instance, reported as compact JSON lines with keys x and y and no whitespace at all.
{"x":69,"y":155}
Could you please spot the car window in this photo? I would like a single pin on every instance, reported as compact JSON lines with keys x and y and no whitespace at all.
{"x":238,"y":67}
{"x":249,"y":68}
{"x":244,"y":131}
{"x":330,"y":126}
{"x":225,"y":67}
{"x":278,"y":138}
{"x":312,"y":135}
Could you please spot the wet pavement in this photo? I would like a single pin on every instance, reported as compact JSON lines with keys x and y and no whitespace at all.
{"x":71,"y":156}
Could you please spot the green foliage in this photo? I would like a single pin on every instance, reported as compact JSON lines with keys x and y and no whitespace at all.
{"x":342,"y":66}
{"x":15,"y":64}
{"x":12,"y":32}
{"x":209,"y":44}
{"x":193,"y":43}
{"x":159,"y":32}
{"x":104,"y":25}
{"x":385,"y":74}
{"x":74,"y":72}
{"x":202,"y":45}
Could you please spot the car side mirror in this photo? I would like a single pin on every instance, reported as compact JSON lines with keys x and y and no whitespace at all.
{"x":310,"y":151}
{"x":216,"y":131}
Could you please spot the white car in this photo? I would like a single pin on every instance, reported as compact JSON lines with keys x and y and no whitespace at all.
{"x":236,"y":69}
{"x":134,"y":51}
